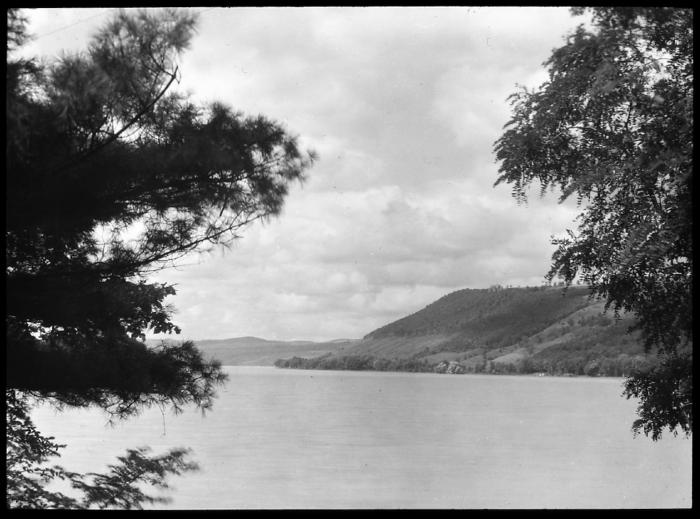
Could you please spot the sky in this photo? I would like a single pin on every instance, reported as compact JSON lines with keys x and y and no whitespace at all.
{"x":403,"y":106}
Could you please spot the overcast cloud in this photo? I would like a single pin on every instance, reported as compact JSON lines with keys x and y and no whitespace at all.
{"x":403,"y":106}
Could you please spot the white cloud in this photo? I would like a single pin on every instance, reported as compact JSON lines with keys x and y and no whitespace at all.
{"x":403,"y":106}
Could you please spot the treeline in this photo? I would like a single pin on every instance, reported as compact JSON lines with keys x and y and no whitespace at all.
{"x":621,"y":365}
{"x":356,"y":363}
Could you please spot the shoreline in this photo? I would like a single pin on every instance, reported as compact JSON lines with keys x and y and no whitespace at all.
{"x":530,"y":375}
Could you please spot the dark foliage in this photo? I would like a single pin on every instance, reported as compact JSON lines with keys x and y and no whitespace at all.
{"x":666,"y":392}
{"x":121,"y":376}
{"x":28,"y":472}
{"x":613,"y":126}
{"x":111,"y":176}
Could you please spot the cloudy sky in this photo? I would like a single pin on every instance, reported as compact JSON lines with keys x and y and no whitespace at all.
{"x":403,"y":106}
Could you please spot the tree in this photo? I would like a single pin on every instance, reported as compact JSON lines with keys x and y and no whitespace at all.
{"x":27,"y":473}
{"x":112,"y":176}
{"x":613,"y":125}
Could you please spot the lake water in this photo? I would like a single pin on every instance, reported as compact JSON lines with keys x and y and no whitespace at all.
{"x":348,"y":439}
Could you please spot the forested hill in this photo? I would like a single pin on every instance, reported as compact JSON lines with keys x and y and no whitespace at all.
{"x":524,"y":330}
{"x":496,"y":316}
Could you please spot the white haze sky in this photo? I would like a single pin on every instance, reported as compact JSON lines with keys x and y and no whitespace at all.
{"x":403,"y":106}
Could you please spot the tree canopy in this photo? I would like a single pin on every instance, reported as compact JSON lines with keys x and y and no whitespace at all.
{"x":112,"y":175}
{"x":613,"y":126}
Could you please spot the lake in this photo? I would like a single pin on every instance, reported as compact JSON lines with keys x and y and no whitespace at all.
{"x":349,"y":439}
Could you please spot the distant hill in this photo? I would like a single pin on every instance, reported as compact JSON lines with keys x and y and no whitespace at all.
{"x":512,"y":330}
{"x":253,"y":351}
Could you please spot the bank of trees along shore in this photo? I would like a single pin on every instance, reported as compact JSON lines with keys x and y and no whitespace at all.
{"x":621,"y":365}
{"x":499,"y":330}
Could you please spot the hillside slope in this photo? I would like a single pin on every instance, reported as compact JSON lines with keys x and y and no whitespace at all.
{"x":539,"y":329}
{"x":497,"y":317}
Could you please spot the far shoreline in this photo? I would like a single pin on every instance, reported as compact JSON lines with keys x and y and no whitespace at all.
{"x":399,"y":372}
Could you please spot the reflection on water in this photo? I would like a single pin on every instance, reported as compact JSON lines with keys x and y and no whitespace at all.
{"x":330,"y":439}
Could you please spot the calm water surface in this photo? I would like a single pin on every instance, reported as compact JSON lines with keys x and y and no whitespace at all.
{"x":342,"y":439}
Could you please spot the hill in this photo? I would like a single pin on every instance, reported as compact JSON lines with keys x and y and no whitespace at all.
{"x":511,"y":330}
{"x":253,"y":351}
